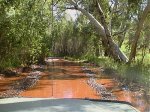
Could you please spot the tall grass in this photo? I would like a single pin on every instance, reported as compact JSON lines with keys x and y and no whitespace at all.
{"x":137,"y":73}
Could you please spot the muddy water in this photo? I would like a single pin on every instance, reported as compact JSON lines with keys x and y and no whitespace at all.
{"x":65,"y":79}
{"x":62,"y":79}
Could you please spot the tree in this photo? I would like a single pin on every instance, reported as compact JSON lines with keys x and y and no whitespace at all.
{"x":23,"y":31}
{"x":138,"y":30}
{"x":110,"y":46}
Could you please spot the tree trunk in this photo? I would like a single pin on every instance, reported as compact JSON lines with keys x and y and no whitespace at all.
{"x":108,"y":43}
{"x":137,"y":33}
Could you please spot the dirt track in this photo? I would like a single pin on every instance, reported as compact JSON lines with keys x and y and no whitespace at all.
{"x":65,"y":79}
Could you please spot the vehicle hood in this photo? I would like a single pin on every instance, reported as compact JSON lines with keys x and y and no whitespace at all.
{"x":61,"y":105}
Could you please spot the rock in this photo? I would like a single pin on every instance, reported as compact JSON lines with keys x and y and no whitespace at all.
{"x":26,"y":69}
{"x":9,"y":73}
{"x":1,"y":76}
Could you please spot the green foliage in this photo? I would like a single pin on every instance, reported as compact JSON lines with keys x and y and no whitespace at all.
{"x":29,"y":32}
{"x":70,"y":38}
{"x":23,"y":27}
{"x":136,"y":73}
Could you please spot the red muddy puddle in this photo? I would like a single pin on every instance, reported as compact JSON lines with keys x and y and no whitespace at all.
{"x":62,"y":79}
{"x":61,"y":89}
{"x":137,"y":99}
{"x":65,"y":79}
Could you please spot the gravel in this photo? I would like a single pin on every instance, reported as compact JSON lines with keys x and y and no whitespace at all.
{"x":21,"y":85}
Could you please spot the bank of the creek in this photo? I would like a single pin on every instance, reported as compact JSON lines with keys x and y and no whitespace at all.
{"x":65,"y":79}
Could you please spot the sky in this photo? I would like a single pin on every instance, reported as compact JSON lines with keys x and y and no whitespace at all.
{"x":71,"y":14}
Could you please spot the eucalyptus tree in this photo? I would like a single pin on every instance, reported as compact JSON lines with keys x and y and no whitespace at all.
{"x":29,"y":29}
{"x":138,"y":31}
{"x":110,"y":46}
{"x":102,"y":25}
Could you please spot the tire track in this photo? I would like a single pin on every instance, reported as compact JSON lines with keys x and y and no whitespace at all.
{"x":99,"y":88}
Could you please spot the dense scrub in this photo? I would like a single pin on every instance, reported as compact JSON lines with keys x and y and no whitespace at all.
{"x":23,"y":37}
{"x":135,"y":76}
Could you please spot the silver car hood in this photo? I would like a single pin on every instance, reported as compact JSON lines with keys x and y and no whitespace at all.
{"x":61,"y":105}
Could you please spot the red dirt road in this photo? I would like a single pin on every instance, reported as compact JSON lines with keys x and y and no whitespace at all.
{"x":65,"y":79}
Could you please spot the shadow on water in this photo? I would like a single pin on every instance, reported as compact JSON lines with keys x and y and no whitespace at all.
{"x":63,"y":77}
{"x":50,"y":69}
{"x":63,"y":64}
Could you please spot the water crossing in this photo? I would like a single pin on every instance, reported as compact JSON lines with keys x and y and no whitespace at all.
{"x":66,"y":79}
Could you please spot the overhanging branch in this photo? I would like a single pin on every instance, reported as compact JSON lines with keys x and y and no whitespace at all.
{"x":117,"y":33}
